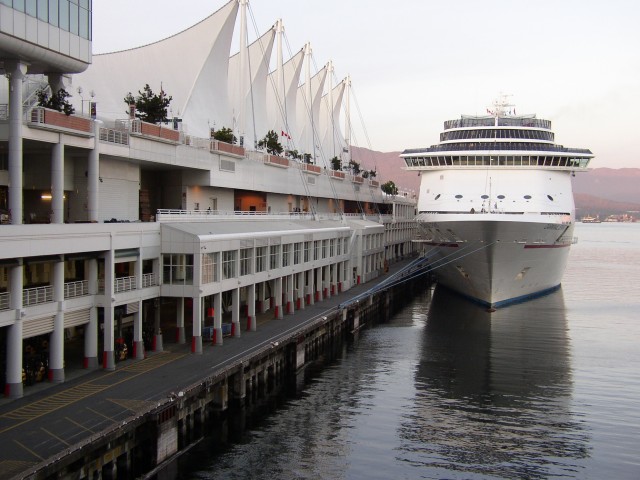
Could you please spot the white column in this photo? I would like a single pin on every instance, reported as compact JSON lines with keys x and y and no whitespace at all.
{"x":56,"y":339}
{"x":311,"y":296}
{"x":318,"y":286}
{"x":158,"y":344}
{"x":13,"y":387}
{"x":91,"y":328}
{"x":93,"y":175}
{"x":277,"y":309}
{"x":235,"y":312}
{"x":108,"y":356}
{"x":57,"y":182}
{"x":251,"y":308}
{"x":333,"y":275}
{"x":16,"y":72}
{"x":196,"y":339}
{"x":301,"y":290}
{"x":217,"y":318}
{"x":138,"y":343}
{"x":180,"y":338}
{"x":290,"y":306}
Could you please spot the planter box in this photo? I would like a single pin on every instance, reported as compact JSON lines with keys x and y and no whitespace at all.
{"x":52,"y":118}
{"x":219,"y":146}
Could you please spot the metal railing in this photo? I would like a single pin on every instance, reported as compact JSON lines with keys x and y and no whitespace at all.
{"x":36,"y":296}
{"x":4,"y":301}
{"x":149,"y":280}
{"x":124,"y":284}
{"x":112,"y":135}
{"x":76,"y":289}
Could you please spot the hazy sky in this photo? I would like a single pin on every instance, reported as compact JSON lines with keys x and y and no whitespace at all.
{"x":416,"y":63}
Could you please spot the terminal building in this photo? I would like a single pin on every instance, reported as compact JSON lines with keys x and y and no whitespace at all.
{"x":114,"y":228}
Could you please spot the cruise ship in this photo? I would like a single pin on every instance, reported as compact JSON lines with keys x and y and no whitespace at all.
{"x":496,"y":210}
{"x":120,"y":230}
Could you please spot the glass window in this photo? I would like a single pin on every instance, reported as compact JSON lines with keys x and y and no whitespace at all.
{"x":297,"y":248}
{"x":43,"y":10}
{"x":316,"y":250}
{"x":74,"y":17}
{"x":274,"y":256}
{"x":53,"y":12}
{"x":177,"y":269}
{"x":261,"y":259}
{"x":286,"y":249}
{"x":83,"y":27}
{"x":246,"y":255}
{"x":32,"y":8}
{"x":64,"y":14}
{"x":228,"y":264}
{"x":307,"y":251}
{"x":209,"y":267}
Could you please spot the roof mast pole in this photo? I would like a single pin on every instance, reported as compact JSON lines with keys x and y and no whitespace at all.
{"x":309,"y":139}
{"x":242,"y":84}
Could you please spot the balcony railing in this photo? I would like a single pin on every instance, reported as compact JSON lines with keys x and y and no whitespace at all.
{"x":124,"y":284}
{"x":36,"y":296}
{"x":76,"y":289}
{"x":4,"y":301}
{"x":149,"y":280}
{"x":112,"y":135}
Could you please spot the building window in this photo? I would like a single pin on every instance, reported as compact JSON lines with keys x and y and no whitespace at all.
{"x":209,"y":267}
{"x":261,"y":259}
{"x":246,"y":255}
{"x":324,"y":248}
{"x":286,"y":252}
{"x":307,"y":251}
{"x":316,"y":250}
{"x":332,"y":247}
{"x":274,"y":257}
{"x":229,"y":264}
{"x":177,"y":269}
{"x":297,"y":247}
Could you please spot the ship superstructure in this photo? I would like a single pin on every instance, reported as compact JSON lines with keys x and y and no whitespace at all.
{"x":496,"y":209}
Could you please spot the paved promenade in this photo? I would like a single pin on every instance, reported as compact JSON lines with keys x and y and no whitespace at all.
{"x":51,"y":418}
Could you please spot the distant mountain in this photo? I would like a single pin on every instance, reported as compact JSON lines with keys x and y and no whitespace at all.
{"x":601,"y":191}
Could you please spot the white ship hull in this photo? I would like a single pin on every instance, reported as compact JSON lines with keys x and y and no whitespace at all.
{"x":496,"y":260}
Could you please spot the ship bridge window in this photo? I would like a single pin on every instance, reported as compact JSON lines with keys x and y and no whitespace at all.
{"x":550,"y":197}
{"x":458,"y":196}
{"x":501,"y":197}
{"x":484,"y":196}
{"x":527,"y":197}
{"x":437,"y":197}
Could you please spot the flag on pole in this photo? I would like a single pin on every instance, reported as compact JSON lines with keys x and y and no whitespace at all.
{"x":285,"y":134}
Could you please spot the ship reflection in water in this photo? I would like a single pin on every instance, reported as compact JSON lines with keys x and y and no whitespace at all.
{"x":493,"y":392}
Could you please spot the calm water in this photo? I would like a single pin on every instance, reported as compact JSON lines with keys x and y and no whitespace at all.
{"x":546,"y":389}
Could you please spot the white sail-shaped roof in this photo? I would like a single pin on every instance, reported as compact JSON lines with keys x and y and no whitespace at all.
{"x":255,"y":99}
{"x":281,"y":114}
{"x":332,"y":140}
{"x":308,"y":121}
{"x":192,"y":67}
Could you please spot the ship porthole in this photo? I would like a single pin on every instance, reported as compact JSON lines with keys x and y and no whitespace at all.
{"x":550,"y":197}
{"x":527,"y":197}
{"x":484,"y":196}
{"x":458,"y":196}
{"x":501,"y":197}
{"x":437,"y":197}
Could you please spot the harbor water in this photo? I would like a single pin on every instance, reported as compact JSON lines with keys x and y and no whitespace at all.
{"x":545,"y":389}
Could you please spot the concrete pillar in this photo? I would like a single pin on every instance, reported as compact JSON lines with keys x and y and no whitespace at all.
{"x":277,"y":309}
{"x":196,"y":339}
{"x":16,"y":72}
{"x":290,"y":306}
{"x":300,"y":301}
{"x":311,"y":295}
{"x":251,"y":308}
{"x":235,"y":313}
{"x":157,"y":331}
{"x":13,"y":386}
{"x":217,"y":319}
{"x":57,"y":182}
{"x":91,"y":329}
{"x":138,"y":343}
{"x":180,"y":337}
{"x":325,"y":284}
{"x":333,"y":288}
{"x":318,"y":285}
{"x":93,"y":175}
{"x":56,"y":339}
{"x":108,"y":355}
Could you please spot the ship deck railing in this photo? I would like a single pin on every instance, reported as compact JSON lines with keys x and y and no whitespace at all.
{"x":175,"y":215}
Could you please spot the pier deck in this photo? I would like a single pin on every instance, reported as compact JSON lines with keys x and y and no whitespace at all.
{"x":52,"y":419}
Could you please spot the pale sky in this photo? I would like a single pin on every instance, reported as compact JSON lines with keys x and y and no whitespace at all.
{"x":416,"y":63}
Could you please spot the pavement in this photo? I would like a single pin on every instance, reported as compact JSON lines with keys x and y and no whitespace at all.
{"x":51,"y":418}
